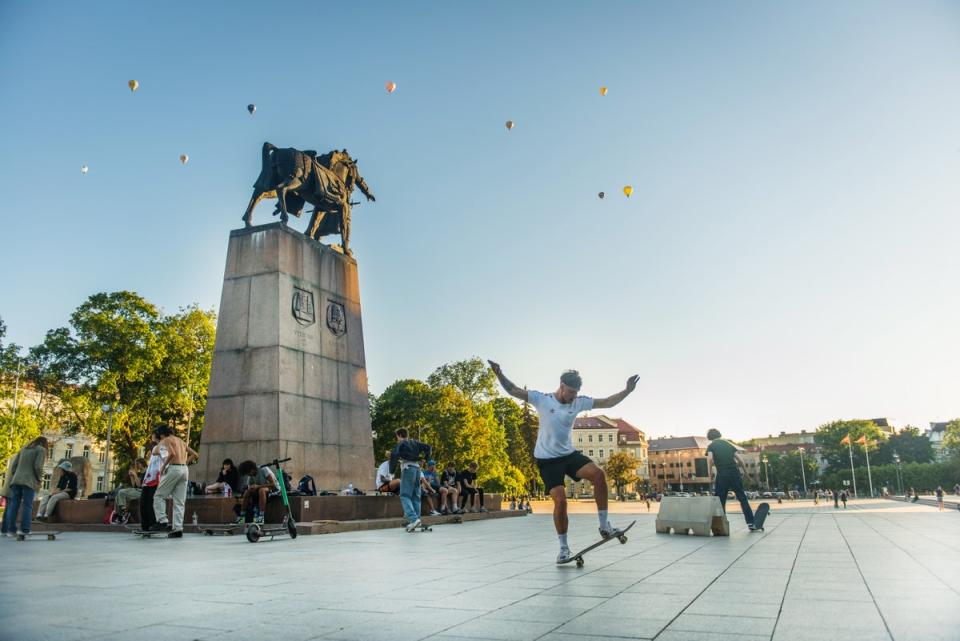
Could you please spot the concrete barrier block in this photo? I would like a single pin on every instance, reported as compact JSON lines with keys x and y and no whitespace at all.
{"x":699,"y":515}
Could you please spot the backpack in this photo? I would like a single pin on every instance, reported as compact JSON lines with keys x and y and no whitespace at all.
{"x":306,"y":486}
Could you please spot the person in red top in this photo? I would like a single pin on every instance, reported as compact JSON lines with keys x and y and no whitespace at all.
{"x":151,"y":479}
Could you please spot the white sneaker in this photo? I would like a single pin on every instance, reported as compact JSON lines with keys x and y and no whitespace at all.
{"x":564,"y":554}
{"x":413,"y":526}
{"x":434,"y":513}
{"x":608,"y":531}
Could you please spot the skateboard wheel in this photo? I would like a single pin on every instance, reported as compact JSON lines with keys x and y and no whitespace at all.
{"x":579,"y":563}
{"x":623,"y":539}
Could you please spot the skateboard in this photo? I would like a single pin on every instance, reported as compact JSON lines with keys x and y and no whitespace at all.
{"x":51,"y":536}
{"x":578,"y":557}
{"x":760,"y":516}
{"x":423,"y":527}
{"x":149,"y":534}
{"x":222,"y":530}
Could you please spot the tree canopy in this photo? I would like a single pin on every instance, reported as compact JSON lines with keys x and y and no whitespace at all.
{"x":456,"y":411}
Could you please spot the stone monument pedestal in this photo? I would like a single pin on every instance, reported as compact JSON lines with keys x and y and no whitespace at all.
{"x":289,"y":375}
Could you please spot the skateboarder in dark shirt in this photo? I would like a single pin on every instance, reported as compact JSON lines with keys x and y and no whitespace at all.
{"x":725,"y":459}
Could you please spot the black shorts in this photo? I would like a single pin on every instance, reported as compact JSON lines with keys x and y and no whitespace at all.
{"x":552,"y":470}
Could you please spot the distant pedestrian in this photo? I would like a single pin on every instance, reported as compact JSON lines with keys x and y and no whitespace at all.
{"x":956,"y":489}
{"x":843,"y":497}
{"x":939,"y":494}
{"x":23,"y":480}
{"x":836,"y":498}
{"x":648,"y":502}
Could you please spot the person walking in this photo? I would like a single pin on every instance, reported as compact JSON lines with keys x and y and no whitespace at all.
{"x":554,"y":452}
{"x":722,"y":454}
{"x":836,"y":499}
{"x":407,"y":453}
{"x":844,"y":497}
{"x":939,"y":494}
{"x":23,"y":480}
{"x":173,"y":481}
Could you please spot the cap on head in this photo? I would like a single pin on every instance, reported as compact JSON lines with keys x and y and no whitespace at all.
{"x":431,"y":463}
{"x":66,"y":466}
{"x":571,"y":378}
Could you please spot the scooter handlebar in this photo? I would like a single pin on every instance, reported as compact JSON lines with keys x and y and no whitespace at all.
{"x":275,"y":462}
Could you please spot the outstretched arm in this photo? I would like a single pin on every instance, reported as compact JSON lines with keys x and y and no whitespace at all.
{"x":512,"y":390}
{"x":610,"y":401}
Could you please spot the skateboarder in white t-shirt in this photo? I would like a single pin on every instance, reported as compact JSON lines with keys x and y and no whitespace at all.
{"x":554,"y":452}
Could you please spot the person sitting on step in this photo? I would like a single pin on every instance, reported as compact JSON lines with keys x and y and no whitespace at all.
{"x":259,"y":482}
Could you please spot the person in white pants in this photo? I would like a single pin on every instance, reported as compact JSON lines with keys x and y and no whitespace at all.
{"x":173,"y":481}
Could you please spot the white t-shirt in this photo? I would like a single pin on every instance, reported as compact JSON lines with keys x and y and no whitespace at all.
{"x":383,"y":473}
{"x":555,"y":438}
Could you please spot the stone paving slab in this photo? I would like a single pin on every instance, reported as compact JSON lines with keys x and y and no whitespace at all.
{"x":877,"y":570}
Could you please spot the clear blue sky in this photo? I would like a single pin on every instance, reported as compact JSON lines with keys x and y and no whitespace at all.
{"x":789,"y":255}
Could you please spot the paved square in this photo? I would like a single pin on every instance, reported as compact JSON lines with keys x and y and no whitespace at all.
{"x":879,"y":570}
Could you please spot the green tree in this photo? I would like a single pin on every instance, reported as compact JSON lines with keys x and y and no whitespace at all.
{"x":456,"y":426}
{"x":787,"y":471}
{"x":951,"y":438}
{"x":836,"y":454}
{"x":909,"y":444}
{"x":621,"y":468}
{"x":472,"y":377}
{"x":121,"y":353}
{"x":517,"y":425}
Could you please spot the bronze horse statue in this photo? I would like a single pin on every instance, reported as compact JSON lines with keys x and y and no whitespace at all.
{"x":297,"y":177}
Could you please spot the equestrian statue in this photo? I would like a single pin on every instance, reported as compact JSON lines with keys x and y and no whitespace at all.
{"x":297,"y":177}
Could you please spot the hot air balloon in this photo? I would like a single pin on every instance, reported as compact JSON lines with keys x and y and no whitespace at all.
{"x":391,"y":86}
{"x":84,"y":169}
{"x":601,"y":195}
{"x":251,"y":108}
{"x":627,"y":191}
{"x":509,"y":125}
{"x":134,"y":85}
{"x":184,"y":158}
{"x":603,"y":91}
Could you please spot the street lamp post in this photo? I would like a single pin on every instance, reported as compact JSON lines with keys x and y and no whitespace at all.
{"x":680,"y":473}
{"x":766,"y":471}
{"x":110,"y":410}
{"x":896,"y":462}
{"x":803,"y":472}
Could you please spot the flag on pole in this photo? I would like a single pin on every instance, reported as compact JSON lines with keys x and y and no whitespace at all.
{"x":846,"y":440}
{"x":862,"y":440}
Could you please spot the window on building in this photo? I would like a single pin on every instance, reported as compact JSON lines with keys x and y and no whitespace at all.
{"x":103,"y":455}
{"x":86,"y":451}
{"x":46,"y":481}
{"x":99,"y":484}
{"x":590,"y":438}
{"x":591,"y":452}
{"x":68,"y":453}
{"x":601,"y":453}
{"x":50,"y":453}
{"x":609,"y":438}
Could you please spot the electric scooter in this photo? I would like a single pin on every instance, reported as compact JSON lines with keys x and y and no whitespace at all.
{"x":255,"y":531}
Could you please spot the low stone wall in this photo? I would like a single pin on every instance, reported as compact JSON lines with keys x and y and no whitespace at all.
{"x":216,"y":509}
